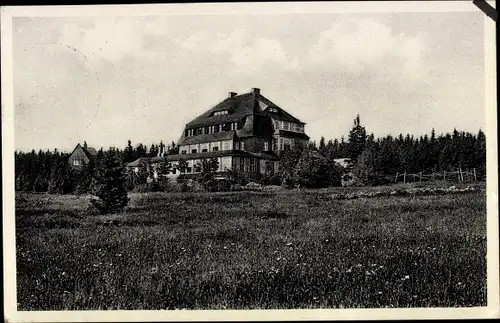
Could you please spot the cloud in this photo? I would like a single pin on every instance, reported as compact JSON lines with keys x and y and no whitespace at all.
{"x":111,"y":39}
{"x":357,"y":44}
{"x":245,"y":52}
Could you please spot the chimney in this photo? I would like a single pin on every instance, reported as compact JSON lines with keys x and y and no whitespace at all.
{"x":232,"y":94}
{"x":256,"y":91}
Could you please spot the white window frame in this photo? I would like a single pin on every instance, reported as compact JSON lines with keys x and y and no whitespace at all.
{"x":253,"y":165}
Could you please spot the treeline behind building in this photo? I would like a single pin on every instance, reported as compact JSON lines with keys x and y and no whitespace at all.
{"x":49,"y":171}
{"x":429,"y":153}
{"x":374,"y":160}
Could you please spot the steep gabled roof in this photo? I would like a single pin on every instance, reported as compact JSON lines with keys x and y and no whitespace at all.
{"x":244,"y":107}
{"x":281,"y":114}
{"x":89,"y":151}
{"x":238,"y":107}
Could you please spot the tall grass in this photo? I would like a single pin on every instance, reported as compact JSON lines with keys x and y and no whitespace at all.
{"x":243,"y":250}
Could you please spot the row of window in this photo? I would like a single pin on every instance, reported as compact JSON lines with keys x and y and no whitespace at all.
{"x":216,"y":146}
{"x":220,"y":113}
{"x":245,"y":164}
{"x":194,"y":166}
{"x":289,"y":126}
{"x":282,"y":143}
{"x":206,"y":147}
{"x":211,"y":129}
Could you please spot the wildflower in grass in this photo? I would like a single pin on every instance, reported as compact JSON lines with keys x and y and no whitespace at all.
{"x":289,"y":244}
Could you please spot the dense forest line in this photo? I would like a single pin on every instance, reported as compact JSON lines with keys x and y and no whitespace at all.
{"x":48,"y":171}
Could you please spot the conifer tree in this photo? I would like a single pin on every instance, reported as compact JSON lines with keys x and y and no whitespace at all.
{"x":111,"y":190}
{"x":322,"y":146}
{"x":129,"y":154}
{"x":357,"y":139}
{"x":56,"y":182}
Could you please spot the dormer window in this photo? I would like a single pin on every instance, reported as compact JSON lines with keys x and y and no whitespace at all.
{"x":272,"y":110}
{"x":220,"y":113}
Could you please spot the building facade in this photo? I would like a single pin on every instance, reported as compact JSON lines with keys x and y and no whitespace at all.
{"x":81,"y":156}
{"x":245,"y":132}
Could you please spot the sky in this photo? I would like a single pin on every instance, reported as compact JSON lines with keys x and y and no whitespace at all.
{"x":105,"y":80}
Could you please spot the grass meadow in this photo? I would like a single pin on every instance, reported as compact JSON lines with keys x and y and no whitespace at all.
{"x":246,"y":250}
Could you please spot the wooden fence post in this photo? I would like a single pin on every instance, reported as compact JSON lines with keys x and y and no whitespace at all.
{"x":404,"y":177}
{"x":396,"y":179}
{"x":420,"y":176}
{"x":458,"y":175}
{"x":475,"y":178}
{"x":461,"y":174}
{"x":444,"y":176}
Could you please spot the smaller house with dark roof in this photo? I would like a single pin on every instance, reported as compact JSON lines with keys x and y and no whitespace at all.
{"x":81,"y":155}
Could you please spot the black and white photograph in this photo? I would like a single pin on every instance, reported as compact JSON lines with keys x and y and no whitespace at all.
{"x":244,"y":161}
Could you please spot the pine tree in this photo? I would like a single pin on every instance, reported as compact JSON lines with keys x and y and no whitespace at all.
{"x":85,"y":176}
{"x":357,"y":139}
{"x":174,"y":149}
{"x":365,"y":169}
{"x":322,"y":146}
{"x":111,"y":190}
{"x":480,"y":153}
{"x":129,"y":154}
{"x":56,"y":182}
